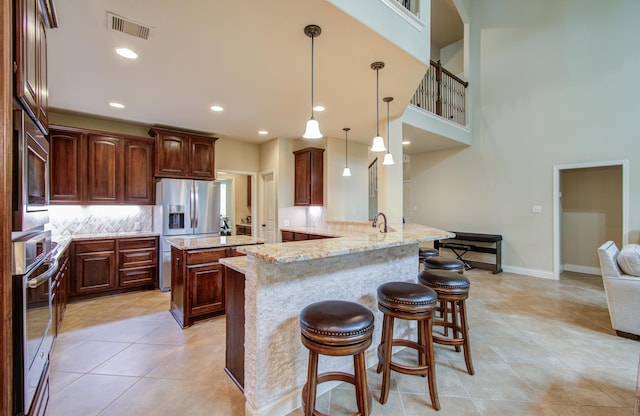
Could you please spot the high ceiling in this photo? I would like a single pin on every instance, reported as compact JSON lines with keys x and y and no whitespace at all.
{"x":251,"y":57}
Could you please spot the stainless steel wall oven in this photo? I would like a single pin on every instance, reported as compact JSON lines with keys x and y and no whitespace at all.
{"x":33,"y":267}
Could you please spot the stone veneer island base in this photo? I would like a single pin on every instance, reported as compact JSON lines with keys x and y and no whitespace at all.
{"x":281,"y":279}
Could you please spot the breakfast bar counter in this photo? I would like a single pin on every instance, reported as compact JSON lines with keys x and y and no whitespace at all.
{"x":281,"y":279}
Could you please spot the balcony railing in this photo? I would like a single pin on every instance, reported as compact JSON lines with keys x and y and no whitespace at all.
{"x":411,"y":5}
{"x":442,"y":93}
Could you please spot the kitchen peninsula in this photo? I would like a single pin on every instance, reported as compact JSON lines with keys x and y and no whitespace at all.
{"x":281,"y":279}
{"x":197,"y":277}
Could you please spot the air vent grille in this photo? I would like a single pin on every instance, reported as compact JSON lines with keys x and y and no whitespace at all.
{"x":124,"y":25}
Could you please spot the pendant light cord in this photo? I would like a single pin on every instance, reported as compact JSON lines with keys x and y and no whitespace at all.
{"x":377,"y":103}
{"x":312,"y":39}
{"x":388,"y":138}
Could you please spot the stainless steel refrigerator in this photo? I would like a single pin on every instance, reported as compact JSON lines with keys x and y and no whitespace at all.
{"x":184,"y":207}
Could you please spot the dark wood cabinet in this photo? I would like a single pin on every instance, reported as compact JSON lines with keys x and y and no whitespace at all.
{"x":105,"y":266}
{"x":206,"y":288}
{"x":138,"y":172}
{"x":33,"y":17}
{"x":243,"y":229}
{"x":183,"y":155}
{"x":103,"y":168}
{"x":60,"y":290}
{"x":66,"y":155}
{"x":90,"y":167}
{"x":94,"y":267}
{"x":309,"y":177}
{"x":234,"y":308}
{"x":137,"y":262}
{"x":298,"y":236}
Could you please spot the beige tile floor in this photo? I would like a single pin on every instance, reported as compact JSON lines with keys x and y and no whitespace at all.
{"x":540,"y":347}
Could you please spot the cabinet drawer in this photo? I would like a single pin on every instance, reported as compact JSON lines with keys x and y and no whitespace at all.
{"x":300,"y":236}
{"x":317,"y":237}
{"x":128,"y":244}
{"x":206,"y":256}
{"x":137,"y":277}
{"x":137,"y":258}
{"x":93,"y":246}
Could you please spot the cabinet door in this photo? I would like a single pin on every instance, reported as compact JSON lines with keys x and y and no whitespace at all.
{"x":95,"y":272}
{"x":201,"y":158}
{"x":302,"y":179}
{"x":178,"y":286}
{"x":27,"y":23}
{"x":42,"y":90}
{"x":104,"y":171}
{"x":172,"y":156}
{"x":138,"y":172}
{"x":206,"y":288}
{"x":65,"y":155}
{"x":316,"y":177}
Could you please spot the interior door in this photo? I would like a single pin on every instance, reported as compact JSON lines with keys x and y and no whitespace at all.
{"x":268,"y":208}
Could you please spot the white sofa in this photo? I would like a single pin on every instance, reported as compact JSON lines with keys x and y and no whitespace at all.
{"x":623,"y":293}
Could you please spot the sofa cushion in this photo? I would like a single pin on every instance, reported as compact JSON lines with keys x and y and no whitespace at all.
{"x":629,"y":259}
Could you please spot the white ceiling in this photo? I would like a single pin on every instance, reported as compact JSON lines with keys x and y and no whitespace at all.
{"x":250,"y":57}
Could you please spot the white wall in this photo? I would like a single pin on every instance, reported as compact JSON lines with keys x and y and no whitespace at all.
{"x":452,"y":57}
{"x":346,"y":198}
{"x":554,"y":82}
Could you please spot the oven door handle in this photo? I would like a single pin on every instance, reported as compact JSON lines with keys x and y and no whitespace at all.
{"x":44,"y":277}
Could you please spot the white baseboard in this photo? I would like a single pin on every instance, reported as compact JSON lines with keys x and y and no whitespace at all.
{"x":581,"y":269}
{"x":545,"y":274}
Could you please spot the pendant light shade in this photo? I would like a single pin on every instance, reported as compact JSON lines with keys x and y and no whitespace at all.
{"x":346,"y":171}
{"x":388,"y":157}
{"x":313,"y":128}
{"x":378,"y":141}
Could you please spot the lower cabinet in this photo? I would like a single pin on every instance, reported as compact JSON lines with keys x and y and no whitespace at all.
{"x":197,"y":283}
{"x":59,"y":291}
{"x":113,"y":265}
{"x":94,"y":267}
{"x":298,"y":236}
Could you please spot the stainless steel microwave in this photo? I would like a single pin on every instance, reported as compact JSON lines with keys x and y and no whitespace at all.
{"x":30,"y":174}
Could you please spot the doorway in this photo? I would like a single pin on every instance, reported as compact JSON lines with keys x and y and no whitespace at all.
{"x":590,"y":206}
{"x":268,"y":207}
{"x":236,"y":208}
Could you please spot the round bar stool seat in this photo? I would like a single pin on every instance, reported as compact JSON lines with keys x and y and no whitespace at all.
{"x":409,"y":301}
{"x":452,"y":289}
{"x":423,"y":253}
{"x":337,"y":328}
{"x":443,"y":263}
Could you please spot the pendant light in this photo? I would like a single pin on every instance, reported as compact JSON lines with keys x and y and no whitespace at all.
{"x":388,"y":157}
{"x":313,"y":128}
{"x":346,"y":171}
{"x":378,"y":141}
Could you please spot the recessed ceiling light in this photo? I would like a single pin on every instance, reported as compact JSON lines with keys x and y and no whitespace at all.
{"x":126,"y":53}
{"x":116,"y":105}
{"x":216,"y":108}
{"x":406,"y":142}
{"x":263,"y":132}
{"x":318,"y":108}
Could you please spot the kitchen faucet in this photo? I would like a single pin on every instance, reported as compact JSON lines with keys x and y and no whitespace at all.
{"x":375,"y":221}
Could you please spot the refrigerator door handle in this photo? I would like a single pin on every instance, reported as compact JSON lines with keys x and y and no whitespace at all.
{"x":195,"y":207}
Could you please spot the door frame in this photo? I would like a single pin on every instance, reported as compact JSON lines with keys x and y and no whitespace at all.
{"x":556,"y":204}
{"x":261,"y":199}
{"x":253,"y":193}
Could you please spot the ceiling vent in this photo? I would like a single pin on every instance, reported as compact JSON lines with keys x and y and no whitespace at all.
{"x":128,"y":26}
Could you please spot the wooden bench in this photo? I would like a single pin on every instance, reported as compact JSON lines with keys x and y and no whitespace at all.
{"x":463,"y":243}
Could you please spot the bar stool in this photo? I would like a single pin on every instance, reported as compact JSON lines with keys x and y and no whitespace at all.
{"x":452,"y":289}
{"x":443,"y":263}
{"x":424,"y":253}
{"x":336,"y":328}
{"x":410,"y":301}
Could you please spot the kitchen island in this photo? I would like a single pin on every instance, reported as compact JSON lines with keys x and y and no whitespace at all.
{"x":197,"y":277}
{"x":281,"y":279}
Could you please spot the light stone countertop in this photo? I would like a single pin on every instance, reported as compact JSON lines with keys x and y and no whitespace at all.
{"x":196,"y":243}
{"x":353,"y":237}
{"x":238,"y":264}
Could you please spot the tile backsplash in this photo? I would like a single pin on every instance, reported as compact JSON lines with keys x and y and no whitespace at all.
{"x":70,"y":220}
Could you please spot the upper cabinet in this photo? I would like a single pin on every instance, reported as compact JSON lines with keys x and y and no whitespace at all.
{"x":183,"y":155}
{"x":308,"y":181}
{"x":32,"y":17}
{"x":89,"y":167}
